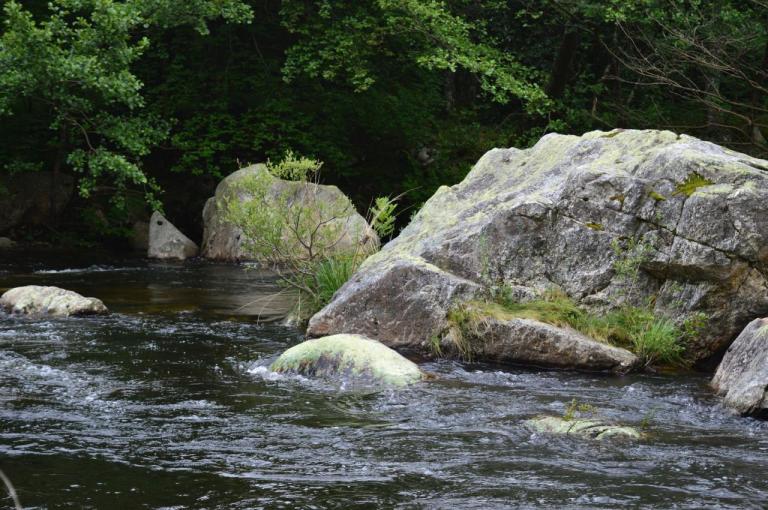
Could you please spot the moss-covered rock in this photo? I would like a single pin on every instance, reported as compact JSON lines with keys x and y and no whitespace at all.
{"x":349,"y":356}
{"x":586,"y":428}
{"x":39,"y":300}
{"x":224,"y":241}
{"x":528,"y":218}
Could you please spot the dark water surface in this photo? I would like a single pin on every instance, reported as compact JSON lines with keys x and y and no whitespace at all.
{"x":166,"y":404}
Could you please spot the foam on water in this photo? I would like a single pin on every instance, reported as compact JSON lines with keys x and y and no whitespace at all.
{"x":181,"y":411}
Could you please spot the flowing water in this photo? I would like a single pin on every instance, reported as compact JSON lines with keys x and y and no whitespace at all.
{"x":166,"y":403}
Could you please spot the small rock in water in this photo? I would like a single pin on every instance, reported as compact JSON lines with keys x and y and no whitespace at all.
{"x":39,"y":300}
{"x":742,"y":377}
{"x":6,"y":243}
{"x":167,"y":242}
{"x":353,"y":356}
{"x":590,"y":429}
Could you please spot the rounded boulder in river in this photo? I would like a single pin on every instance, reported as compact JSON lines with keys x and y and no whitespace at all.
{"x":353,"y":356}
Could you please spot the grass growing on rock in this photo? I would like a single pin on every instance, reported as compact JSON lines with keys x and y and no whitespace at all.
{"x":691,"y":183}
{"x":656,"y":340}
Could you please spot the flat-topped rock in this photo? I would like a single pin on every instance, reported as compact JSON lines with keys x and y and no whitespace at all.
{"x":585,"y":428}
{"x":530,"y":342}
{"x":39,"y":300}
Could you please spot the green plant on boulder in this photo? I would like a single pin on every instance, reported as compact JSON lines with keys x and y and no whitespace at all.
{"x":293,"y":167}
{"x":692,"y":182}
{"x":293,"y":229}
{"x":656,"y":340}
{"x":578,"y":409}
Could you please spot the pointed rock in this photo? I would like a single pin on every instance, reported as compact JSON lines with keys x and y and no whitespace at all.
{"x":166,"y":241}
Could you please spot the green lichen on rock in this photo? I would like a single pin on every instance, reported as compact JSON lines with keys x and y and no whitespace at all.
{"x":691,"y":183}
{"x":350,"y":356}
{"x":520,"y":218}
{"x":585,"y":428}
{"x":595,"y":226}
{"x":656,"y":196}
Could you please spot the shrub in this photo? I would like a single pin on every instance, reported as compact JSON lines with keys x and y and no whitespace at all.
{"x":298,"y":236}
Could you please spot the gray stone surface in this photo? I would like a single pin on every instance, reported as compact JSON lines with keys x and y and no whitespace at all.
{"x":39,"y":300}
{"x":742,"y":377}
{"x":530,"y":342}
{"x":550,"y":216}
{"x":167,"y":242}
{"x":224,"y":241}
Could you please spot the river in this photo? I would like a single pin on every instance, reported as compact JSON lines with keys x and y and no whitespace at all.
{"x":166,"y":403}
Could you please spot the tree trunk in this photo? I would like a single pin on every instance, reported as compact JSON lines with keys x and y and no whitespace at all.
{"x":58,"y":162}
{"x":762,"y":77}
{"x":449,"y":89}
{"x":561,"y":68}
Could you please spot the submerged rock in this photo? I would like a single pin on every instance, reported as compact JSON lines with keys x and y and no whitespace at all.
{"x":38,"y":300}
{"x":742,"y":377}
{"x":6,"y":243}
{"x":167,"y":242}
{"x":352,"y":356}
{"x":224,"y":241}
{"x":530,"y":342}
{"x":688,"y":215}
{"x":586,"y":428}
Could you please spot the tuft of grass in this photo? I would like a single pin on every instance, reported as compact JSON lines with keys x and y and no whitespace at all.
{"x":648,"y":418}
{"x":576,"y":409}
{"x":465,"y":321}
{"x":329,"y":275}
{"x":656,"y":340}
{"x":691,"y":183}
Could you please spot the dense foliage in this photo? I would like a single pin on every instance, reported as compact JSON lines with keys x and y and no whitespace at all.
{"x":393,"y":95}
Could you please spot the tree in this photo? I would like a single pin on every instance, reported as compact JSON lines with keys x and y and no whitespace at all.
{"x":74,"y":63}
{"x":714,"y":54}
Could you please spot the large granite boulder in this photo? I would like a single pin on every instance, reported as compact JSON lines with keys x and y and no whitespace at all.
{"x":353,"y":357}
{"x":39,"y":300}
{"x":224,"y":241}
{"x":167,"y":242}
{"x":623,"y":216}
{"x":742,"y":377}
